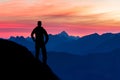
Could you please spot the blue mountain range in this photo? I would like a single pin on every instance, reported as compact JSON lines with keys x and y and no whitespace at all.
{"x":91,"y":57}
{"x":62,"y":42}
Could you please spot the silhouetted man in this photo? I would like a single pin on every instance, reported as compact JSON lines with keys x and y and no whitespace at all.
{"x":40,"y":35}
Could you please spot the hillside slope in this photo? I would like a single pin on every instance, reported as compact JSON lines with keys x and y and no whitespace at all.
{"x":18,"y":62}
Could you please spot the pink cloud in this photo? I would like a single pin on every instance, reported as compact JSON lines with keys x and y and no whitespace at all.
{"x":75,"y":17}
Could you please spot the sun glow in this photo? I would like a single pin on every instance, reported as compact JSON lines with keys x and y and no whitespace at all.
{"x":74,"y":16}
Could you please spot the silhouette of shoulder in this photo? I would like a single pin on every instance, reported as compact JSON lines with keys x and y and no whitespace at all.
{"x":39,"y":29}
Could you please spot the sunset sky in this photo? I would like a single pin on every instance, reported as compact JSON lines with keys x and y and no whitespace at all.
{"x":77,"y":17}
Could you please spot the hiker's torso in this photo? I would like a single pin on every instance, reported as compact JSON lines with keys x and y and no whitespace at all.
{"x":39,"y":34}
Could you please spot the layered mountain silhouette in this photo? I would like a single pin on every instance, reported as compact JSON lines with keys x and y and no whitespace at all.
{"x":18,"y":61}
{"x":98,"y":56}
{"x":62,"y":42}
{"x":102,"y":66}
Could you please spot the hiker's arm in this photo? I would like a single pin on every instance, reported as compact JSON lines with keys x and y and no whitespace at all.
{"x":32,"y":35}
{"x":46,"y":36}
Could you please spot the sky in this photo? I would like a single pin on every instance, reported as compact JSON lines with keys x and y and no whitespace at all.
{"x":76,"y":17}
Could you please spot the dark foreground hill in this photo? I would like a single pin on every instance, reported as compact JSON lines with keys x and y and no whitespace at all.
{"x":17,"y":62}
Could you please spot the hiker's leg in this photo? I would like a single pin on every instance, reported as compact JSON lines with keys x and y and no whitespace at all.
{"x":37,"y":52}
{"x":44,"y":55}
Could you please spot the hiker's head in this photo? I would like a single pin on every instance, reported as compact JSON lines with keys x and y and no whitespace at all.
{"x":39,"y":23}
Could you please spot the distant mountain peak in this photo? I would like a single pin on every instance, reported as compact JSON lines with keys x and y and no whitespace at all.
{"x":63,"y":33}
{"x":95,"y":34}
{"x":107,"y":34}
{"x":91,"y":35}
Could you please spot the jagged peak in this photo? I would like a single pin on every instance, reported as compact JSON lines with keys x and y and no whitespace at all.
{"x":63,"y":33}
{"x":91,"y":35}
{"x":107,"y":34}
{"x":95,"y":34}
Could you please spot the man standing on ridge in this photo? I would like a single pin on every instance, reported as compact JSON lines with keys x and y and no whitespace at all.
{"x":38,"y":35}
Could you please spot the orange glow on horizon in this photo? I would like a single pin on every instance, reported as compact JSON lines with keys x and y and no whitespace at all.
{"x":79,"y":17}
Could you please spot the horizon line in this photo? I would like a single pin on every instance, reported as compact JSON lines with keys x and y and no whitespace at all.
{"x":65,"y":32}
